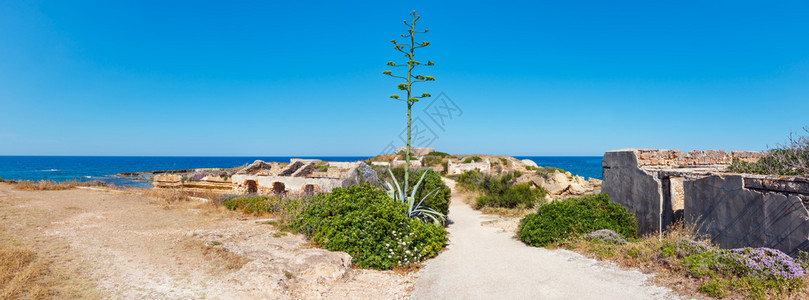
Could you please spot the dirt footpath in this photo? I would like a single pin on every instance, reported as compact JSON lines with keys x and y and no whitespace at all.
{"x":488,"y":263}
{"x":120,"y":245}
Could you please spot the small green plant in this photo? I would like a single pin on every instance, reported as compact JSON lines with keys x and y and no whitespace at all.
{"x":573,"y":217}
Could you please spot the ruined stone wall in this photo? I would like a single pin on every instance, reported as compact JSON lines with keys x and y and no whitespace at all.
{"x":292,"y":185}
{"x":733,"y":210}
{"x":638,"y":191}
{"x":459,"y":168}
{"x":656,"y":157}
{"x":722,"y":208}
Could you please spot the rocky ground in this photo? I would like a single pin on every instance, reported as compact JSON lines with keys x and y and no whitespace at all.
{"x":124,"y":246}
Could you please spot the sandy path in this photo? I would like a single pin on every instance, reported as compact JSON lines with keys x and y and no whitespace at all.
{"x":487,"y":263}
{"x":129,"y":247}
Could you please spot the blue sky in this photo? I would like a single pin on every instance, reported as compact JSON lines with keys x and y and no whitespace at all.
{"x":304,"y":78}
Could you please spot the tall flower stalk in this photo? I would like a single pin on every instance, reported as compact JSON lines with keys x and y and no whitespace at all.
{"x":409,"y":52}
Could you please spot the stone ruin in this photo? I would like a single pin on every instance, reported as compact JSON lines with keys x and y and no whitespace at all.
{"x":298,"y":177}
{"x":455,"y":168}
{"x":661,"y":187}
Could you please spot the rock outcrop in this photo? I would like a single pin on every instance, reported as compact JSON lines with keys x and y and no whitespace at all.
{"x":561,"y":185}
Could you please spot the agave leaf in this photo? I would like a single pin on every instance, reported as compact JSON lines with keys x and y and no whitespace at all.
{"x":398,"y":188}
{"x":425,"y":197}
{"x":410,"y":201}
{"x":416,"y":188}
{"x":390,"y":190}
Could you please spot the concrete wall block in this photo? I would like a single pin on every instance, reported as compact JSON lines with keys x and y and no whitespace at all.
{"x":636,"y":190}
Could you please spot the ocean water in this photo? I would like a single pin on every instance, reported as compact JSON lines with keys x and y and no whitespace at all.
{"x":101,"y":168}
{"x":585,"y":166}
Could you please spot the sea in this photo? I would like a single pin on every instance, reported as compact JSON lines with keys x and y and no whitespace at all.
{"x":104,"y":168}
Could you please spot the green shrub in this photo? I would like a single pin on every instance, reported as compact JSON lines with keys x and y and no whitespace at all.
{"x":431,"y":160}
{"x":438,"y":154}
{"x":502,"y":190}
{"x":517,"y":196}
{"x":438,"y":201}
{"x":365,"y":223}
{"x":573,"y":217}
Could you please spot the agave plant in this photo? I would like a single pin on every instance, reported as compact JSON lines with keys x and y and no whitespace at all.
{"x":414,"y":210}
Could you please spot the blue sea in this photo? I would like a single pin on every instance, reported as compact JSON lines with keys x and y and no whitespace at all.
{"x":585,"y":166}
{"x":102,"y":168}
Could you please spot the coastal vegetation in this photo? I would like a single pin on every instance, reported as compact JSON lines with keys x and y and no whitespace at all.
{"x":49,"y":185}
{"x":789,"y":158}
{"x":691,"y":265}
{"x":500,"y":191}
{"x":363,"y":222}
{"x":359,"y":220}
{"x":571,"y":218}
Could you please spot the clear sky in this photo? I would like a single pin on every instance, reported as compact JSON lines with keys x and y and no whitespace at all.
{"x":305,"y":78}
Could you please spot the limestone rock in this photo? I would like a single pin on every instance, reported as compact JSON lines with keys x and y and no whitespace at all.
{"x":418,"y":151}
{"x":575,"y":189}
{"x":529,"y":163}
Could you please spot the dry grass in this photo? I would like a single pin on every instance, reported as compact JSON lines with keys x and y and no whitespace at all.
{"x":222,"y":256}
{"x":47,"y":185}
{"x":179,"y":195}
{"x":21,"y":274}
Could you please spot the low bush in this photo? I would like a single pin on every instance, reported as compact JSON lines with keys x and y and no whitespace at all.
{"x":365,"y":223}
{"x":516,"y":196}
{"x":251,"y":205}
{"x":501,"y":191}
{"x":682,"y":247}
{"x":688,"y":265}
{"x":756,"y":272}
{"x":573,"y":217}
